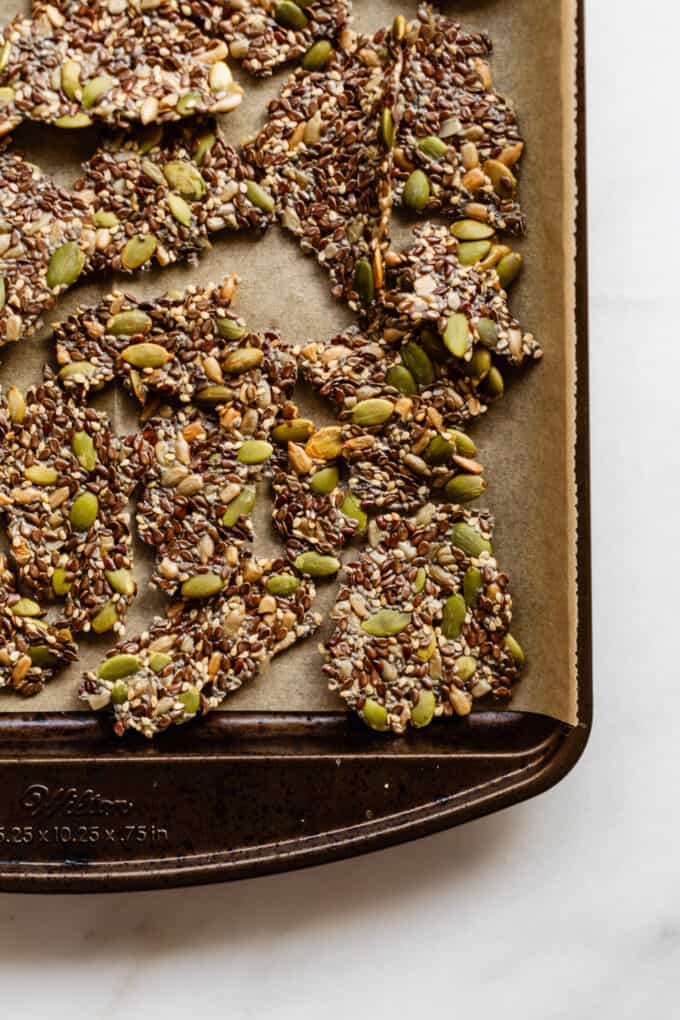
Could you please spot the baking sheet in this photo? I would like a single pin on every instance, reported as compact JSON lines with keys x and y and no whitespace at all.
{"x":526,"y":442}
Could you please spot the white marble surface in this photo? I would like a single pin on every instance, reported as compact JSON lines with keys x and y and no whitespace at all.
{"x":568,"y":906}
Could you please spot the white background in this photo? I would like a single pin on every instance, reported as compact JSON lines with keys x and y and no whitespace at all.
{"x":565,"y":907}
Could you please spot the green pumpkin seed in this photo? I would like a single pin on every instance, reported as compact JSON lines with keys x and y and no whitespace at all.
{"x":290,"y":15}
{"x":317,"y":56}
{"x":417,"y":191}
{"x":508,"y":268}
{"x":65,"y":266}
{"x":4,"y":54}
{"x":515,"y":649}
{"x":315,"y":565}
{"x":211,"y":396}
{"x":129,"y":323}
{"x":202,"y":586}
{"x":471,"y":252}
{"x":150,"y":137}
{"x":466,"y":667}
{"x":387,"y":129}
{"x":40,"y":474}
{"x":457,"y":334}
{"x":418,"y":364}
{"x":3,"y":293}
{"x":364,"y":281}
{"x":243,"y":360}
{"x":230,"y":329}
{"x":421,"y":578}
{"x":282,"y":584}
{"x":119,"y":693}
{"x":453,"y":617}
{"x":60,"y":585}
{"x":374,"y":715}
{"x":75,"y":368}
{"x":464,"y":488}
{"x":73,"y":122}
{"x":294,"y":430}
{"x":84,"y":511}
{"x":239,"y":507}
{"x":96,"y":88}
{"x":187,"y":103}
{"x":119,"y":666}
{"x":432,"y":344}
{"x":146,"y":355}
{"x":205,"y":144}
{"x":464,"y":445}
{"x":259,"y":197}
{"x":324,"y":481}
{"x":487,"y":331}
{"x":158,"y":661}
{"x":401,"y":379}
{"x":6,"y":96}
{"x":501,"y":176}
{"x":479,"y":365}
{"x":432,"y":146}
{"x":386,"y":623}
{"x":106,"y":618}
{"x":102,"y":218}
{"x":185,"y":179}
{"x":84,"y":449}
{"x":494,"y":387}
{"x":122,"y":581}
{"x":374,"y":411}
{"x":351,"y":507}
{"x":26,"y":607}
{"x":138,"y":250}
{"x":254,"y":451}
{"x":467,"y":538}
{"x":191,"y":699}
{"x":180,"y":209}
{"x":43,"y":656}
{"x":438,"y":451}
{"x":472,"y":585}
{"x":70,"y":78}
{"x":472,"y":230}
{"x":422,"y":712}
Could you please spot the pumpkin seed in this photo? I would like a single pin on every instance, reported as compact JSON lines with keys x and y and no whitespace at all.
{"x":464,"y":445}
{"x":119,"y":666}
{"x":438,"y":451}
{"x":421,"y":578}
{"x":230,"y":329}
{"x":202,"y":586}
{"x":129,"y":323}
{"x":418,"y":364}
{"x":158,"y":661}
{"x":317,"y":56}
{"x":374,"y":715}
{"x":316,"y":565}
{"x":40,"y":474}
{"x":119,"y":693}
{"x":467,"y":538}
{"x":374,"y":411}
{"x":191,"y":699}
{"x":417,"y":191}
{"x":211,"y":396}
{"x":96,"y":88}
{"x":324,"y":481}
{"x":422,"y":712}
{"x":294,"y":430}
{"x":259,"y":197}
{"x":60,"y":585}
{"x":187,"y":103}
{"x":401,"y":379}
{"x":364,"y":281}
{"x":508,"y":268}
{"x":472,"y":585}
{"x":43,"y":656}
{"x":239,"y":507}
{"x":138,"y":250}
{"x":515,"y":649}
{"x":84,"y":449}
{"x":470,"y":252}
{"x":65,"y":266}
{"x":106,"y":618}
{"x":472,"y":230}
{"x":487,"y":332}
{"x":180,"y":209}
{"x":457,"y":334}
{"x":205,"y":144}
{"x":150,"y":137}
{"x":73,"y":121}
{"x":146,"y":355}
{"x":4,"y":54}
{"x":479,"y":365}
{"x":494,"y":386}
{"x":465,"y":667}
{"x":26,"y":607}
{"x":70,"y":78}
{"x":433,"y":346}
{"x":122,"y":581}
{"x":290,"y":15}
{"x":351,"y":507}
{"x":432,"y":146}
{"x":453,"y":617}
{"x":185,"y":179}
{"x":6,"y":96}
{"x":254,"y":451}
{"x":282,"y":584}
{"x":387,"y":130}
{"x":16,"y":404}
{"x":74,"y":368}
{"x":243,"y":360}
{"x":386,"y":623}
{"x":503,"y":180}
{"x":84,"y":511}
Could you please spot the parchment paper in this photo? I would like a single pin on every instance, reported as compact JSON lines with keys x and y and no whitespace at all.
{"x":526,"y":441}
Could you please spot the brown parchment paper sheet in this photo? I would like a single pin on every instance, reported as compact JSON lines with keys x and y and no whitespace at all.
{"x":526,"y":441}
